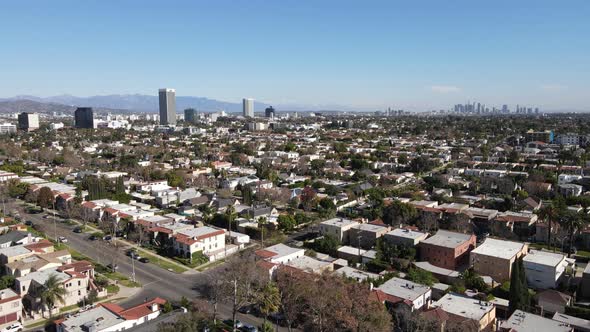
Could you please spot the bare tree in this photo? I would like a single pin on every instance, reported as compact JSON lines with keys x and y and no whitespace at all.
{"x":239,"y":282}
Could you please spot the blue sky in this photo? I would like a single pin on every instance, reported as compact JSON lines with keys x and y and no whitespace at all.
{"x":362,"y":54}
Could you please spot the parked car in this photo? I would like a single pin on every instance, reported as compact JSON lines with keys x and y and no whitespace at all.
{"x":62,"y":239}
{"x":107,"y":238}
{"x":14,"y":327}
{"x":248,"y":328}
{"x":77,"y":230}
{"x":113,"y":267}
{"x":144,"y":260}
{"x":29,"y":223}
{"x":230,"y":323}
{"x":92,"y":238}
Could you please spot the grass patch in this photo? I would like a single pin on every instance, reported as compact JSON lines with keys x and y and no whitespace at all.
{"x":37,"y":324}
{"x":210,"y":265}
{"x":99,"y":235}
{"x":198,"y":260}
{"x":68,"y":308}
{"x":164,"y":264}
{"x":120,"y":278}
{"x":113,"y":289}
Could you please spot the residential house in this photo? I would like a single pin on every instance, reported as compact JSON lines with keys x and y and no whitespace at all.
{"x":483,"y":313}
{"x":552,"y":301}
{"x":396,"y":290}
{"x":544,"y":269}
{"x":203,"y":239}
{"x":521,"y":321}
{"x":280,"y":253}
{"x":338,"y":228}
{"x":446,"y":249}
{"x":404,"y":237}
{"x":494,"y":258}
{"x":366,"y":235}
{"x":110,"y":317}
{"x":10,"y":307}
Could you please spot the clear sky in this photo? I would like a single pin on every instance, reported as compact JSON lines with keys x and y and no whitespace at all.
{"x":366,"y":54}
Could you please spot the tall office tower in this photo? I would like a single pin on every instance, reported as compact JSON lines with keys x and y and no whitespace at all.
{"x":190,"y":115}
{"x":248,"y":107}
{"x":28,"y":121}
{"x":167,"y":106}
{"x":84,"y":118}
{"x":269,"y":112}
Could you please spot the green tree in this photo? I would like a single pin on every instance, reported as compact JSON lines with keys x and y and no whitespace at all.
{"x":572,"y":222}
{"x":327,"y":245}
{"x":398,"y":213}
{"x":17,"y":189}
{"x":421,"y":276}
{"x":519,"y":294}
{"x":549,"y":213}
{"x":268,"y":299}
{"x":175,"y":179}
{"x":45,"y":198}
{"x":286,"y":222}
{"x":52,"y":292}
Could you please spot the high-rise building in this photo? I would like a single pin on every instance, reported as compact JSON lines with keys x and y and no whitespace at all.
{"x":84,"y":118}
{"x":7,"y":128}
{"x":190,"y":115}
{"x":167,"y":106}
{"x":269,"y":112}
{"x":28,"y":121}
{"x":248,"y":107}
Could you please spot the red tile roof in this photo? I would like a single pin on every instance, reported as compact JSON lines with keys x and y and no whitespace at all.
{"x":141,"y":310}
{"x":263,"y":253}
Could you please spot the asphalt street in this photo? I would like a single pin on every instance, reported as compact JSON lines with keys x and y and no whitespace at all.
{"x":155,"y":280}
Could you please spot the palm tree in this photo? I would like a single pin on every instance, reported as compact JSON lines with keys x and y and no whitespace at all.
{"x":573,"y":222}
{"x":549,"y":213}
{"x":268,"y":299}
{"x":230,"y":214}
{"x":52,"y":292}
{"x":262,"y":221}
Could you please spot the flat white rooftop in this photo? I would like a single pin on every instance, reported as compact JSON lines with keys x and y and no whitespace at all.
{"x":498,"y":248}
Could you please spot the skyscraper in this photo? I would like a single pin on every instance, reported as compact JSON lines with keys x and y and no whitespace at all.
{"x":269,"y":112}
{"x":167,"y":106}
{"x":28,"y":121}
{"x":248,"y":107}
{"x":190,"y":115}
{"x":84,"y":118}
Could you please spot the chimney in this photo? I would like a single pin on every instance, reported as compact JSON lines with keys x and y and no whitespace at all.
{"x":370,"y":286}
{"x":154,"y":307}
{"x":2,"y":295}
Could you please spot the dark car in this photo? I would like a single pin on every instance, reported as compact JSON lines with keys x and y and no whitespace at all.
{"x":29,"y":223}
{"x":144,"y":260}
{"x":113,"y":267}
{"x":92,"y":238}
{"x":77,"y":230}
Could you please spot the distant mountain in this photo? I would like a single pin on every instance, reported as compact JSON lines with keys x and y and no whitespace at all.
{"x":35,"y":106}
{"x":138,"y":103}
{"x":26,"y":105}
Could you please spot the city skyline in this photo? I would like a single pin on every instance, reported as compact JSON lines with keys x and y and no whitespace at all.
{"x":361,"y":56}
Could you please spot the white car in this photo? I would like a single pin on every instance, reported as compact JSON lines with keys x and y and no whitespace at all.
{"x":14,"y":327}
{"x":62,"y":239}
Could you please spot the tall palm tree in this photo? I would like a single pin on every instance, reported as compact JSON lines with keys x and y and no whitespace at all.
{"x":549,"y":213}
{"x":52,"y":292}
{"x":230,"y":214}
{"x":573,"y":222}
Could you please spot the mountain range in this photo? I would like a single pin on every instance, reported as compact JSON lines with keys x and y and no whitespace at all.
{"x":115,"y":103}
